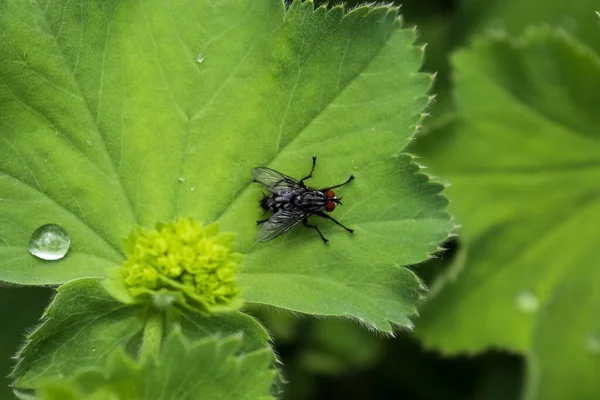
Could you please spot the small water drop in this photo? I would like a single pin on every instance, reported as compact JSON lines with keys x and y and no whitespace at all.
{"x":181,"y":179}
{"x":527,"y":302}
{"x":89,"y":142}
{"x":49,"y":242}
{"x":192,"y":189}
{"x":593,"y":344}
{"x":200,"y":58}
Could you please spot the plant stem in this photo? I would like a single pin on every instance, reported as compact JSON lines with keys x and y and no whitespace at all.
{"x":153,"y":332}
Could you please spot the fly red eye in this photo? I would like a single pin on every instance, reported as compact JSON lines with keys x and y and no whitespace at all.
{"x":330,"y":194}
{"x":330,"y":206}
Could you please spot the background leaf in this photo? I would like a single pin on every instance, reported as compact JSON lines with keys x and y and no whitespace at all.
{"x":218,"y":373}
{"x":84,"y":325}
{"x":523,"y":159}
{"x":116,"y":113}
{"x":514,"y":17}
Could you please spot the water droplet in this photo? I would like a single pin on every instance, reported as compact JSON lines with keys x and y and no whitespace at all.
{"x":181,"y":179}
{"x":49,"y":242}
{"x":527,"y":302}
{"x":192,"y":189}
{"x":200,"y":58}
{"x":89,"y":142}
{"x":593,"y":344}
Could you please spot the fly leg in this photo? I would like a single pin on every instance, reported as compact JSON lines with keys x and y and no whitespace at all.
{"x":337,"y":186}
{"x":305,"y":223}
{"x":322,"y":214}
{"x":314,"y":162}
{"x":262,"y":221}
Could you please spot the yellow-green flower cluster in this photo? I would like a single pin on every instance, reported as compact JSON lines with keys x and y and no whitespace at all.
{"x":184,"y":256}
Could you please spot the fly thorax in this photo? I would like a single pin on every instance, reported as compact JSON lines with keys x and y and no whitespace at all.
{"x":313,"y":201}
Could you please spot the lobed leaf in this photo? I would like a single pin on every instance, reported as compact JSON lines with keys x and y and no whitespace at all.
{"x":515,"y":17}
{"x":84,"y":325}
{"x":116,"y":113}
{"x":204,"y":369}
{"x":523,"y":157}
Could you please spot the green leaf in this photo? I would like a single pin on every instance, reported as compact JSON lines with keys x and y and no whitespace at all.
{"x":364,"y":115}
{"x":523,"y":157}
{"x":110,"y":120}
{"x":84,"y":325}
{"x":195,"y":326}
{"x":514,"y":17}
{"x":61,"y":390}
{"x":217,"y":374}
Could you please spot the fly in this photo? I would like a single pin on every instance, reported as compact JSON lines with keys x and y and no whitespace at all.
{"x":291,"y":201}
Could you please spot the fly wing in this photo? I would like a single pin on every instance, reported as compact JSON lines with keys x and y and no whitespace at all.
{"x":279,"y":223}
{"x":275,"y":181}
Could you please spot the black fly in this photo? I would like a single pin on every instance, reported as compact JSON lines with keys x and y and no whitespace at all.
{"x":291,"y":201}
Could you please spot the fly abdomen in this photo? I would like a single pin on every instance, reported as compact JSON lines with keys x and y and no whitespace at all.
{"x":285,"y":201}
{"x":279,"y":201}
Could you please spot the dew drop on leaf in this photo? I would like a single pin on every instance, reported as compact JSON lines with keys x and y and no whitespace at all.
{"x":181,"y":179}
{"x":593,"y":344}
{"x":200,"y":58}
{"x":527,"y":302}
{"x":49,"y":242}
